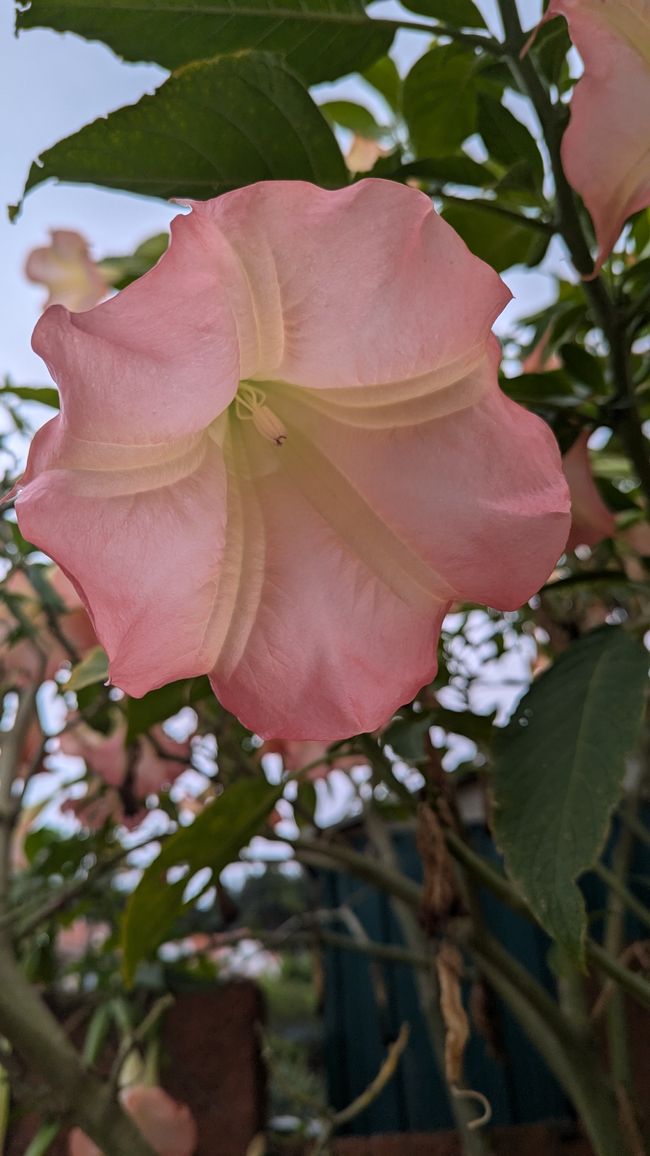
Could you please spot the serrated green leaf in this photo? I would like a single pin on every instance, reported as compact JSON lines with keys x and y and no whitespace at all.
{"x":211,"y":127}
{"x":93,"y":668}
{"x":558,"y":770}
{"x":319,"y":39}
{"x":213,"y":840}
{"x":161,"y":704}
{"x":439,"y":100}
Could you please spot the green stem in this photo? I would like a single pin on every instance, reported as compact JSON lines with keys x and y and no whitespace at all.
{"x":635,"y":985}
{"x":617,"y":1036}
{"x":565,"y":1052}
{"x":617,"y":887}
{"x":625,"y":411}
{"x":574,"y":1065}
{"x":26,"y":1022}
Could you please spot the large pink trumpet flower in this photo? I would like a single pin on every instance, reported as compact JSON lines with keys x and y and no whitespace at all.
{"x":283,"y":452}
{"x":606,"y":148}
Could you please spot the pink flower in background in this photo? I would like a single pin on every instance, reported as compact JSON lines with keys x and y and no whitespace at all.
{"x":283,"y":452}
{"x":605,"y":150}
{"x":591,"y":520}
{"x":23,"y":661}
{"x":305,"y":753}
{"x":541,"y":359}
{"x":67,"y":270}
{"x":151,"y":763}
{"x":167,"y":1125}
{"x":99,"y":806}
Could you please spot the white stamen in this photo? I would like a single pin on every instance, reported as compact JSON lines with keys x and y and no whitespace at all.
{"x":250,"y":405}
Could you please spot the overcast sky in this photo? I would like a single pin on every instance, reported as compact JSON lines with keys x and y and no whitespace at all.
{"x":50,"y":86}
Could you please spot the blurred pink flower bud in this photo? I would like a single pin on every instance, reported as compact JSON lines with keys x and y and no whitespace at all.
{"x":591,"y":521}
{"x":296,"y":755}
{"x":363,"y":154}
{"x":168,"y":1126}
{"x":67,"y":270}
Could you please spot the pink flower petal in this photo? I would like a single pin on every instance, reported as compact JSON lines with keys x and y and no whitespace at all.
{"x":134,"y":347}
{"x":362,"y":286}
{"x":343,"y":628}
{"x":303,"y":546}
{"x":147,"y":567}
{"x":591,"y":520}
{"x":606,"y":148}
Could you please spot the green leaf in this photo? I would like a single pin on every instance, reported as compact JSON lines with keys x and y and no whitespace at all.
{"x":553,"y":387}
{"x":213,"y":840}
{"x":383,"y":76}
{"x":585,"y":367}
{"x":509,"y":142}
{"x":211,"y":127}
{"x":93,"y":668}
{"x":121,"y":271}
{"x":550,"y":50}
{"x":458,"y":13}
{"x":44,"y":395}
{"x":455,"y":170}
{"x":354,"y":117}
{"x":558,"y":771}
{"x":319,"y":39}
{"x":439,"y":100}
{"x":499,"y":240}
{"x":161,"y":704}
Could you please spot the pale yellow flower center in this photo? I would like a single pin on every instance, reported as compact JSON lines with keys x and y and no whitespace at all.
{"x":250,"y":405}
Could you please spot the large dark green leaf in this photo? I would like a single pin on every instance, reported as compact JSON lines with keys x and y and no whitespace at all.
{"x":439,"y":100}
{"x":558,"y":773}
{"x":502,"y":241}
{"x":320,"y":39}
{"x":509,"y":142}
{"x":213,"y":840}
{"x":211,"y":127}
{"x":458,"y":13}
